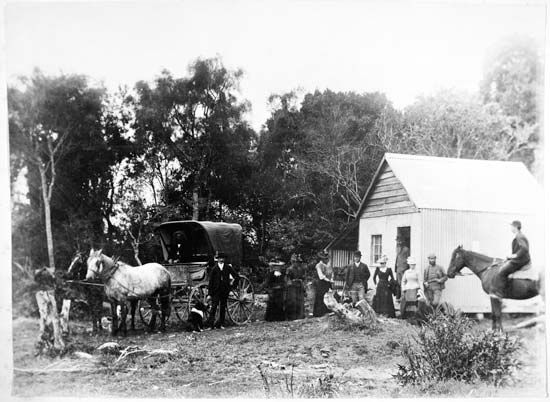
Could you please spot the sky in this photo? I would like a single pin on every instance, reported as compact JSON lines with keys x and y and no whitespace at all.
{"x":400,"y":48}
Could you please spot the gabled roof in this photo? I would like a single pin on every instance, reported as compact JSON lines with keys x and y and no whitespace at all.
{"x":347,"y":239}
{"x":463,"y":184}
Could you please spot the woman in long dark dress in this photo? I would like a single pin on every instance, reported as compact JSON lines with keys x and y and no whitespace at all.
{"x":383,"y":301}
{"x":294,"y":305}
{"x":275,"y":284}
{"x":325,"y":277}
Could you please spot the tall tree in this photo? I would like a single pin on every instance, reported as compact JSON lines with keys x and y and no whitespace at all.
{"x":513,"y":77}
{"x":194,"y":120}
{"x":43,"y":118}
{"x":450,"y":124}
{"x":315,"y":161}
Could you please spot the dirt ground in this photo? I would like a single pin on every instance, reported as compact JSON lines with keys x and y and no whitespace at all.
{"x":309,"y":357}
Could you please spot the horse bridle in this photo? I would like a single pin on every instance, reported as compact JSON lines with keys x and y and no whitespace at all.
{"x":105,"y":274}
{"x":481,"y":270}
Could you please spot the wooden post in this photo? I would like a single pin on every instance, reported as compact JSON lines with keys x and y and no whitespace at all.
{"x":49,"y":320}
{"x":64,"y":316}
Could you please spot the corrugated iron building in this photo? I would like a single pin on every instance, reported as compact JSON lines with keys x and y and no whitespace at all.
{"x":440,"y":203}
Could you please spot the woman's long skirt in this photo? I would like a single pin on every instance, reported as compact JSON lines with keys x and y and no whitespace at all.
{"x":275,"y":310}
{"x":409,"y":303}
{"x":294,"y":306}
{"x":319,"y":307}
{"x":383,"y":301}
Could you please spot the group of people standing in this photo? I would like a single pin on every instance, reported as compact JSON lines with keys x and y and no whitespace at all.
{"x":286,"y":287}
{"x":408,"y":287}
{"x":286,"y":290}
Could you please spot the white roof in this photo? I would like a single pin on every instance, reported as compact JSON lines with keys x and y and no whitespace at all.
{"x":467,"y":184}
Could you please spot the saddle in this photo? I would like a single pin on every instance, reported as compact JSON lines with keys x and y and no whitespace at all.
{"x":525,"y":272}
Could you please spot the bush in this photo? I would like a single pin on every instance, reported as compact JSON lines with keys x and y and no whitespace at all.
{"x":446,"y":348}
{"x":286,"y":385}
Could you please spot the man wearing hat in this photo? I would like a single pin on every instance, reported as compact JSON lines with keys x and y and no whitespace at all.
{"x":434,"y":281}
{"x":403,"y":253}
{"x":356,"y":276}
{"x":222,"y":278}
{"x":519,"y":258}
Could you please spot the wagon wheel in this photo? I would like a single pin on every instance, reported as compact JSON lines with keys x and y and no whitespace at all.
{"x":144,"y":309}
{"x":241,"y":301}
{"x":199,"y":293}
{"x":180,"y":302}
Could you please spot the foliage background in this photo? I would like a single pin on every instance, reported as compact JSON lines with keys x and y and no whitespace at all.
{"x":180,"y":148}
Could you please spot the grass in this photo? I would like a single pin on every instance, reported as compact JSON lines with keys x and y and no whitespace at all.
{"x":225,"y":363}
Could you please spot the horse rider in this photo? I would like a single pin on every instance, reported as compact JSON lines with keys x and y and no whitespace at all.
{"x":356,"y":277}
{"x":519,"y":258}
{"x":434,"y":281}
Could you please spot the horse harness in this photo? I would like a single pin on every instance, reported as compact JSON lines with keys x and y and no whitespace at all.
{"x":106,"y":276}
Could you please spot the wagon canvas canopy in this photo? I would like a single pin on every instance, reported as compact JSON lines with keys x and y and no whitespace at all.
{"x":202,"y":239}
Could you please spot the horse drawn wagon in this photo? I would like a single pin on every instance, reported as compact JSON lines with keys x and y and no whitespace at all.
{"x":188,"y":249}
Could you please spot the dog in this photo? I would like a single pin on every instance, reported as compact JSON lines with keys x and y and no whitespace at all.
{"x":197,"y":315}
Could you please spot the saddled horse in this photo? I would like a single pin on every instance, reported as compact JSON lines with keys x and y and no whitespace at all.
{"x":486,"y":269}
{"x":93,"y":295}
{"x":124,"y":283}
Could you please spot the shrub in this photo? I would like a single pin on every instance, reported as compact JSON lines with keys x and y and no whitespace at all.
{"x":446,"y":348}
{"x":286,"y":385}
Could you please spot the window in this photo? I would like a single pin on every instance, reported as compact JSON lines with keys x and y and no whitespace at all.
{"x":375,"y":248}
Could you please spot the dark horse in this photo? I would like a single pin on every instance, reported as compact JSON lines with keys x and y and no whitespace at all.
{"x":124,"y":283}
{"x":486,"y":268}
{"x":92,"y":294}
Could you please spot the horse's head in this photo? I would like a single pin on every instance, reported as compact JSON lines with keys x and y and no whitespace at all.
{"x":457,"y":262}
{"x":95,"y":264}
{"x":76,"y":266}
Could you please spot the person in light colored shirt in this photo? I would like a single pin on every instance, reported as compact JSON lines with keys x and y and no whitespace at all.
{"x":410,"y":285}
{"x":324,"y":282}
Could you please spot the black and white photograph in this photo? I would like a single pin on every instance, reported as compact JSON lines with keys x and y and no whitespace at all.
{"x":274,"y":199}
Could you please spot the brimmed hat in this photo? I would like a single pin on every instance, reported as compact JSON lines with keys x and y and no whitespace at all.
{"x":432,"y":255}
{"x":382,"y":260}
{"x":220,"y":254}
{"x":357,"y":254}
{"x":323,"y":254}
{"x":517,"y":224}
{"x":411,"y":260}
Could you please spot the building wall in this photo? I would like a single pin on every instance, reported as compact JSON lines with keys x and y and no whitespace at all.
{"x":341,"y":258}
{"x":486,"y":233}
{"x":387,"y":227}
{"x":441,"y":231}
{"x":388,"y":197}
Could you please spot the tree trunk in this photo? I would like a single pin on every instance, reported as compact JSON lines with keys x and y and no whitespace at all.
{"x":50,"y":328}
{"x":136,"y":253}
{"x":47,"y":215}
{"x":196,"y":203}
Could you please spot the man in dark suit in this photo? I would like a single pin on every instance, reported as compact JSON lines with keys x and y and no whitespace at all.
{"x":356,"y":277}
{"x":177,"y":249}
{"x":519,"y":258}
{"x":222,"y":279}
